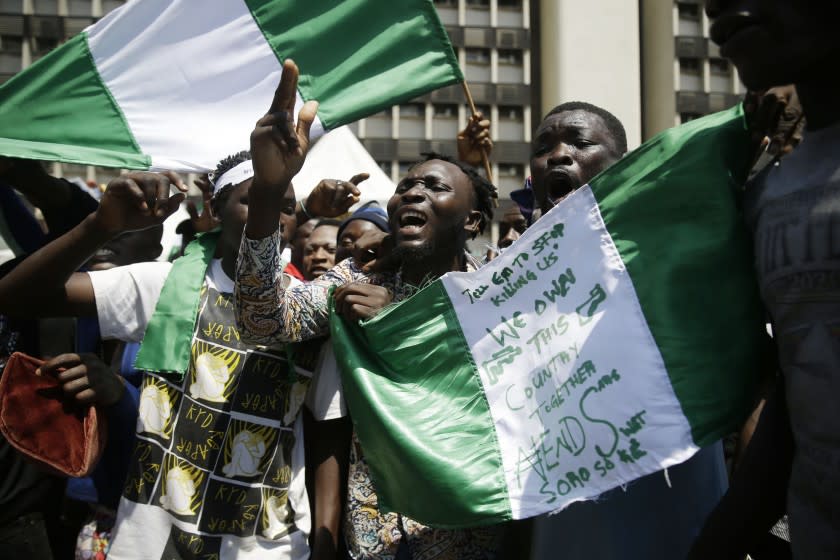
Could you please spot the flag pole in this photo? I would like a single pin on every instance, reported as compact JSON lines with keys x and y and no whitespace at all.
{"x":484,"y":157}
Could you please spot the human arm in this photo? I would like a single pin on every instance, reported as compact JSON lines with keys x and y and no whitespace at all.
{"x":267,"y":310}
{"x":63,"y":204}
{"x":46,"y":284}
{"x":757,"y":494}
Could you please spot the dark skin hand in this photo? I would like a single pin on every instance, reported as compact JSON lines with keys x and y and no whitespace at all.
{"x":278,"y":150}
{"x":41,"y":189}
{"x":374,"y":251}
{"x":85,"y":379}
{"x":46,"y":284}
{"x":205,"y":220}
{"x":474,"y":141}
{"x":775,"y":119}
{"x":358,"y":301}
{"x":331,"y":198}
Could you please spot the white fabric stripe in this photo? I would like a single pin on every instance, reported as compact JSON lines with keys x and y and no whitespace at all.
{"x":553,"y":429}
{"x":191,"y":77}
{"x":238,"y":174}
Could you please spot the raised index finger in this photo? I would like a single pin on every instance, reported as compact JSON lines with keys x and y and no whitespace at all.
{"x":286,"y":92}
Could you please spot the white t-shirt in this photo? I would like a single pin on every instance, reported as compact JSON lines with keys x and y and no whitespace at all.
{"x":218,"y":468}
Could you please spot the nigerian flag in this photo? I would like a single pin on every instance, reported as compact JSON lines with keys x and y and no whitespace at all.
{"x":179,"y":84}
{"x":619,"y":334}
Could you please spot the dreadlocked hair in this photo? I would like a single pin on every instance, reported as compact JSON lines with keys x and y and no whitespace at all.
{"x":485,"y":191}
{"x":228,"y":163}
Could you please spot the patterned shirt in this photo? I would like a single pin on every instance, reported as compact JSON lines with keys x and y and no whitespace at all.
{"x":218,"y":465}
{"x":268,"y":312}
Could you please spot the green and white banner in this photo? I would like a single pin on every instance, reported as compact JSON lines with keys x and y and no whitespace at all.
{"x":179,"y":84}
{"x":618,"y":335}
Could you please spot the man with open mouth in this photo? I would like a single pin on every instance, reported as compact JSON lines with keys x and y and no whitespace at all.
{"x":436,"y":208}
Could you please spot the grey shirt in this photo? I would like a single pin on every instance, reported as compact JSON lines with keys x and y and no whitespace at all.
{"x":794,"y":210}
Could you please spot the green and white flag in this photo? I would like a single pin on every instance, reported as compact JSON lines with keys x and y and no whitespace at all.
{"x":618,"y":335}
{"x":179,"y":84}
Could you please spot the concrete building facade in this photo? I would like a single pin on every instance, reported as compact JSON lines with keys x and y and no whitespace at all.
{"x":648,"y":61}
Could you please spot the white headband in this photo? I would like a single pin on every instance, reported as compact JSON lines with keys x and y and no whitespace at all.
{"x":238,"y":174}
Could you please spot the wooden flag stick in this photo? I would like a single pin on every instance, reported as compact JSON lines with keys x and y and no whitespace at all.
{"x":484,"y":157}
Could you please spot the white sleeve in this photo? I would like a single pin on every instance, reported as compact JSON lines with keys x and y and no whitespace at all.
{"x":126,"y":297}
{"x":325,"y":398}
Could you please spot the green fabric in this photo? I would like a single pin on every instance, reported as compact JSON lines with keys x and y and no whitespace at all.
{"x":62,"y":97}
{"x":408,"y":386}
{"x":672,"y":208}
{"x":166,"y":344}
{"x":358,"y":57}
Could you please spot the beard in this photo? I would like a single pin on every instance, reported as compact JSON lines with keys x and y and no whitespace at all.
{"x":425,"y":255}
{"x":414,"y":254}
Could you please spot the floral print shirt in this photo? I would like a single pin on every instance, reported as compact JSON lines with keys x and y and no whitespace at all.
{"x":269,"y":312}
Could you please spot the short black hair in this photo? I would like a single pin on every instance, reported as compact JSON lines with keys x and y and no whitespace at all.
{"x":327,"y":222}
{"x":614,"y":126}
{"x":485,"y":191}
{"x":223,"y":167}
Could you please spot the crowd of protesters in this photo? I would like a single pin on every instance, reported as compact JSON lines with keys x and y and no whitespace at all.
{"x":247,"y":409}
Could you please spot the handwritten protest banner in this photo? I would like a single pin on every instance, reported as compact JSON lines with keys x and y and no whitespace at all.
{"x":616,"y":337}
{"x":570,"y":369}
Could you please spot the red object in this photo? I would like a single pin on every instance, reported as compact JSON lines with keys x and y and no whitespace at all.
{"x":292,"y":270}
{"x":37,"y":420}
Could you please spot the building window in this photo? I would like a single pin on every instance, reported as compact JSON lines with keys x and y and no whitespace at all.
{"x":690,"y":65}
{"x":510,"y":56}
{"x":43,"y":45}
{"x":385,"y":166}
{"x":80,"y":7}
{"x":446,"y":4}
{"x":685,"y":117}
{"x":46,"y":7}
{"x":445,"y":111}
{"x":512,"y":170}
{"x":511,"y":113}
{"x":404,"y":167}
{"x":11,"y":6}
{"x":719,"y":66}
{"x":378,"y":125}
{"x":483,"y":109}
{"x":510,"y":4}
{"x":689,"y":11}
{"x":478,"y":56}
{"x":478,"y":3}
{"x":11,"y":45}
{"x":412,"y":111}
{"x":691,"y":77}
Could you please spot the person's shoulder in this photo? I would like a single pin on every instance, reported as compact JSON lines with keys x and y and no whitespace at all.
{"x":152,"y":273}
{"x":138,"y":270}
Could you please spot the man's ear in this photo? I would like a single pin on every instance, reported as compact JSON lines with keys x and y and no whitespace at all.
{"x":473,"y":223}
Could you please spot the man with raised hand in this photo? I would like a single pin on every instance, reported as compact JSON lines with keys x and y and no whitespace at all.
{"x":435,"y":209}
{"x":218,"y":468}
